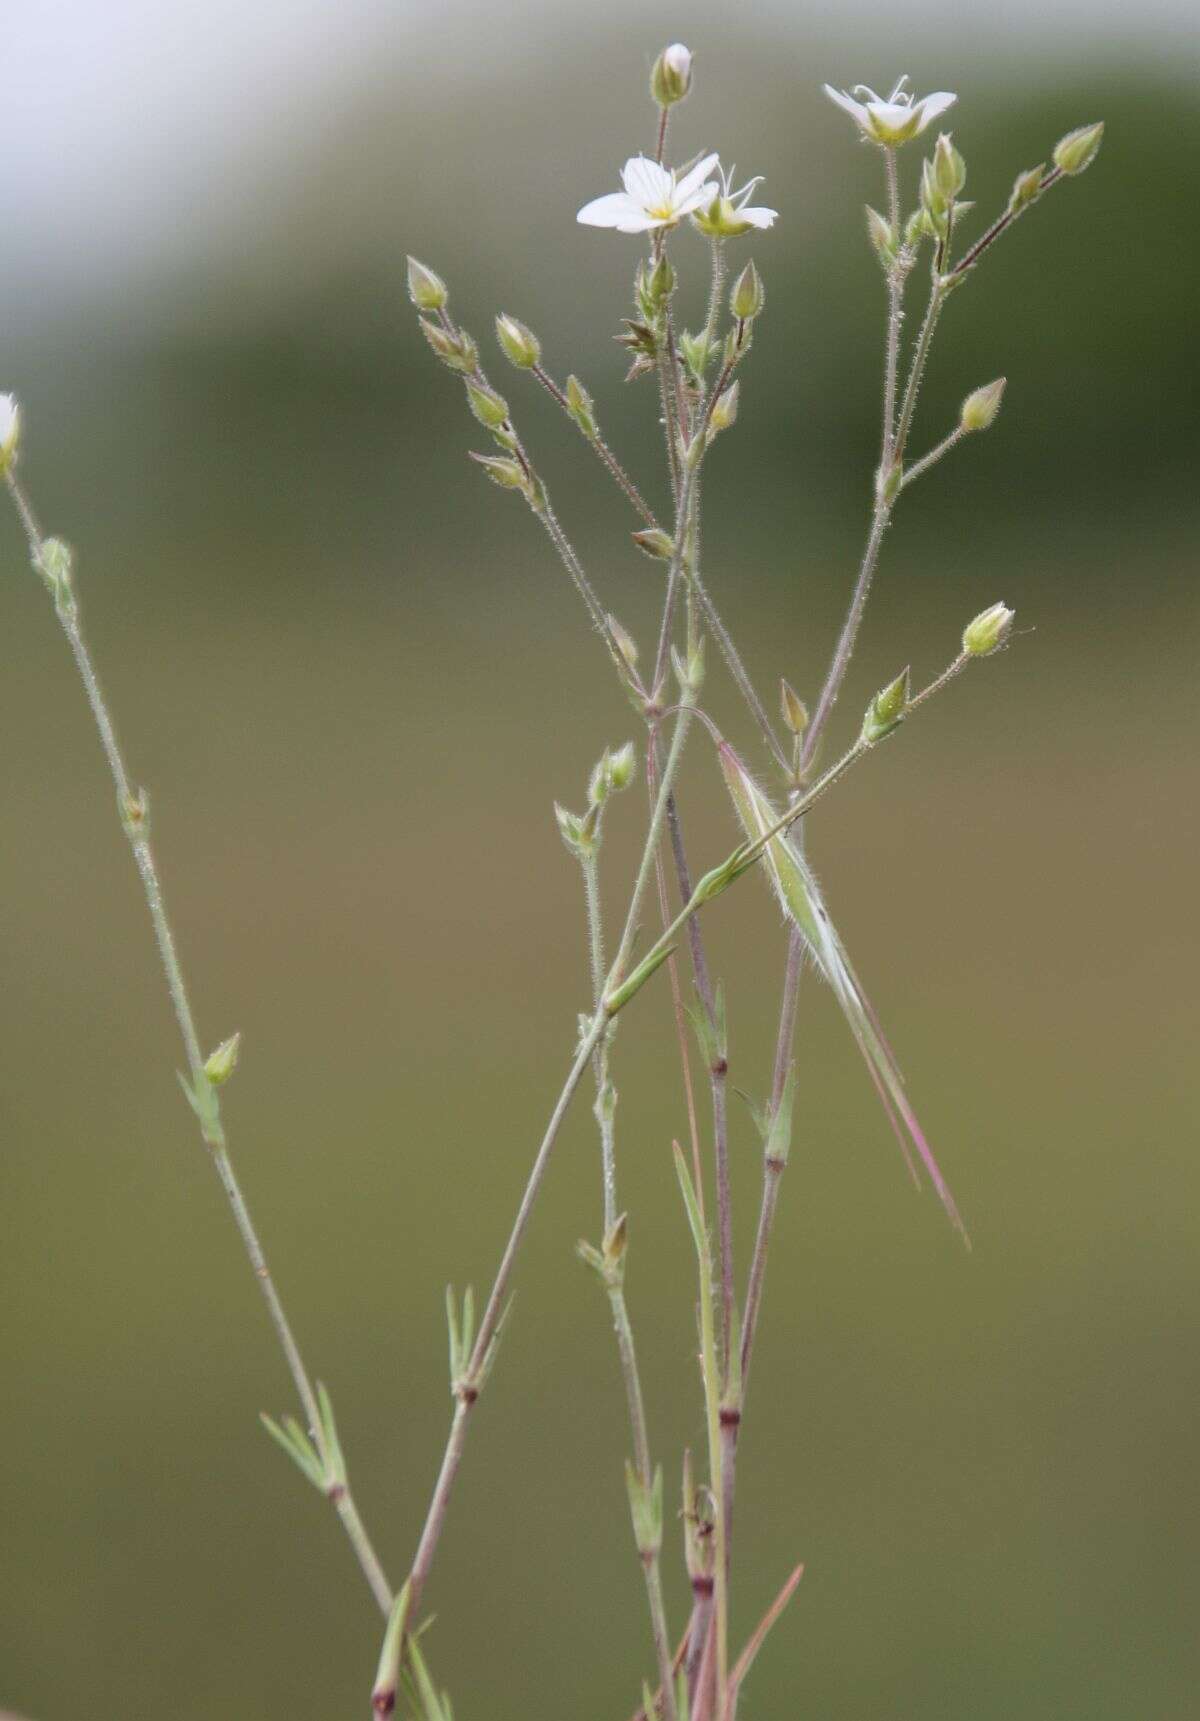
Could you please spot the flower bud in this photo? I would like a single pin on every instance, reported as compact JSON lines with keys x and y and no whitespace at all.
{"x":949,"y":168}
{"x":426,"y":290}
{"x":220,"y":1065}
{"x":747,"y":298}
{"x":1078,"y":149}
{"x":624,"y":642}
{"x":934,"y":202}
{"x":988,"y":632}
{"x":696,"y":353}
{"x":882,"y":236}
{"x":980,"y":409}
{"x":887,"y":709}
{"x":725,"y":409}
{"x":795,"y":712}
{"x":10,"y":430}
{"x":521,"y":346}
{"x":1026,"y":187}
{"x":581,"y":408}
{"x":570,"y":829}
{"x":671,"y":78}
{"x":660,"y":284}
{"x":455,"y":349}
{"x":656,"y":543}
{"x":489,"y":408}
{"x":621,"y":768}
{"x":508,"y":474}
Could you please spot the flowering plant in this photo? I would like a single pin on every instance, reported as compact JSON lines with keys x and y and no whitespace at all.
{"x":696,"y":1672}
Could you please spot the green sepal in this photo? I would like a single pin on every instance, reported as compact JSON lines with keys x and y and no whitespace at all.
{"x":329,"y":1438}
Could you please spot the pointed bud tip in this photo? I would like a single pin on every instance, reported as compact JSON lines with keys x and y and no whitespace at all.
{"x":989,"y":631}
{"x":520,"y":345}
{"x":1079,"y":149}
{"x":981,"y":408}
{"x":426,"y":290}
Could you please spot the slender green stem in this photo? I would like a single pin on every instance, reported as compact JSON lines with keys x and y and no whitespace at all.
{"x":895,"y":290}
{"x":844,"y":649}
{"x":933,"y":310}
{"x":604,"y":452}
{"x":943,"y":448}
{"x":646,"y":865}
{"x":212,"y":1130}
{"x":604,"y":1118}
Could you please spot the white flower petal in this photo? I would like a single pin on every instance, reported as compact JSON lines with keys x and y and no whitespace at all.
{"x":892,"y":116}
{"x":853,"y":108}
{"x":691,"y":181}
{"x":932,"y":106}
{"x":759,"y":217}
{"x":610,"y":210}
{"x":646,"y":182}
{"x":640,"y":221}
{"x":698,"y":199}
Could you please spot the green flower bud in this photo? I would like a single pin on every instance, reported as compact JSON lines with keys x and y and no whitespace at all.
{"x":570,"y":829}
{"x":1079,"y":149}
{"x":795,"y":712}
{"x":696,"y":354}
{"x":746,"y":299}
{"x":949,"y":168}
{"x":621,"y":766}
{"x":508,"y":474}
{"x":660,"y":284}
{"x":624,"y":642}
{"x":1026,"y":187}
{"x":10,"y":430}
{"x":988,"y":632}
{"x":521,"y":346}
{"x":489,"y":408}
{"x":220,"y":1065}
{"x":882,"y":236}
{"x":980,"y":409}
{"x":454,"y":348}
{"x":426,"y":290}
{"x":725,"y":409}
{"x":579,"y":405}
{"x":656,"y":543}
{"x":887,"y":709}
{"x":671,"y":78}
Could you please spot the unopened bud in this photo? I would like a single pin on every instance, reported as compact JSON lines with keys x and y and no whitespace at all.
{"x":934,"y":203}
{"x":1079,"y":149}
{"x":660,"y":283}
{"x":220,"y":1065}
{"x":454,"y":348}
{"x":882,"y":235}
{"x":624,"y":642}
{"x":980,"y":409}
{"x":887,"y":709}
{"x":671,"y":78}
{"x":949,"y":168}
{"x":747,"y":298}
{"x":570,"y":829}
{"x":1026,"y":187}
{"x":988,"y":632}
{"x":795,"y":712}
{"x":621,"y":768}
{"x":725,"y":408}
{"x":426,"y":290}
{"x":521,"y":346}
{"x":579,"y":405}
{"x":508,"y":474}
{"x":10,"y":430}
{"x":656,"y":543}
{"x":489,"y":408}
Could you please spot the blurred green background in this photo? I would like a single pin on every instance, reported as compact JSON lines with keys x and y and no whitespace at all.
{"x":354,"y":679}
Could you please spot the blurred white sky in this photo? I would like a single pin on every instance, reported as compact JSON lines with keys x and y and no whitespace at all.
{"x":139,"y":131}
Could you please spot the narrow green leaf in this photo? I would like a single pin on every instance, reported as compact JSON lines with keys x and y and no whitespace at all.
{"x":383,"y":1697}
{"x":333,"y":1446}
{"x":299,"y":1451}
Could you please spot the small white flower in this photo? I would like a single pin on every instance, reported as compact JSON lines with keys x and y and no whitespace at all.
{"x":898,"y":118}
{"x":10,"y":429}
{"x":728,"y":215}
{"x":653,"y":197}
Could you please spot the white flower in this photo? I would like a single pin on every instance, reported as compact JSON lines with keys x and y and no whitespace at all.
{"x":726,"y":217}
{"x":10,"y":429}
{"x":898,"y":118}
{"x":653,"y":197}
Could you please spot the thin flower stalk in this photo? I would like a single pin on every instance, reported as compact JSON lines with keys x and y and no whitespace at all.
{"x":204,"y":1097}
